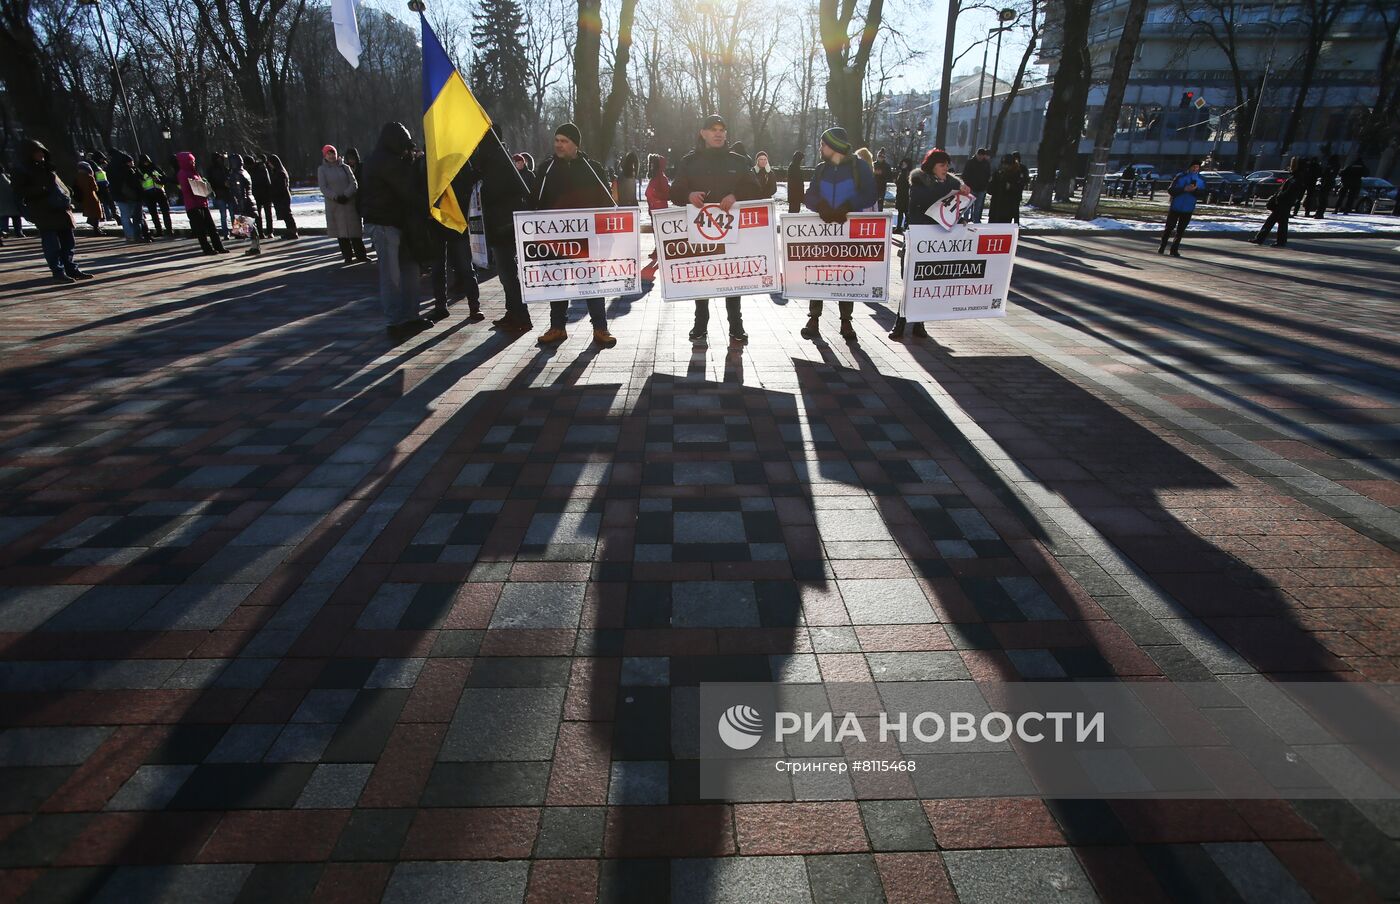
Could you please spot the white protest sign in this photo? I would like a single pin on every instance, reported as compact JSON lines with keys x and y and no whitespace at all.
{"x":569,"y":254}
{"x":711,"y":223}
{"x":476,"y":230}
{"x":847,"y":261}
{"x":947,"y":210}
{"x":959,"y":274}
{"x":713,"y":269}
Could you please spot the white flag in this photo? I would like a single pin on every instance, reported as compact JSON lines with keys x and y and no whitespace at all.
{"x":347,"y":30}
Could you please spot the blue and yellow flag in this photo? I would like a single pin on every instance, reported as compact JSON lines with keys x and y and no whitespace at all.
{"x":453,"y":125}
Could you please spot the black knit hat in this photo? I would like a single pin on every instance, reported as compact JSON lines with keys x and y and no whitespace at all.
{"x":837,"y":139}
{"x":571,"y":132}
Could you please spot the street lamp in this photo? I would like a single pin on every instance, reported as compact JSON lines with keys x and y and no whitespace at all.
{"x":116,"y":73}
{"x":1006,"y":16}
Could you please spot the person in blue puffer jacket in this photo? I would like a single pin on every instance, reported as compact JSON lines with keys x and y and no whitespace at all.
{"x":1186,"y":187}
{"x":842,"y":184}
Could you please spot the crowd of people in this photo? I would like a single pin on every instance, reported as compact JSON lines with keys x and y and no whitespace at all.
{"x":384,"y":198}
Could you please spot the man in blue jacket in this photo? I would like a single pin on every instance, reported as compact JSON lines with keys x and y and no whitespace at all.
{"x":842,"y":184}
{"x":1185,"y":189}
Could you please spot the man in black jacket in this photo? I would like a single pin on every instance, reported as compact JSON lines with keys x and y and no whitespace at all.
{"x":505,"y":189}
{"x":977,"y":174}
{"x":714,"y":174}
{"x":389,"y":201}
{"x":1351,"y":186}
{"x":570,"y":181}
{"x":1326,"y":184}
{"x":261,"y":183}
{"x":48,"y":204}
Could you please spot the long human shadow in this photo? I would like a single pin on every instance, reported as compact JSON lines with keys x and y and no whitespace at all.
{"x":1204,"y":317}
{"x":1128,"y":337}
{"x":1115,"y":473}
{"x":200,"y":717}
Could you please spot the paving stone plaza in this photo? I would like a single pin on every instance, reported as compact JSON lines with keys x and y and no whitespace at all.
{"x":289,"y":614}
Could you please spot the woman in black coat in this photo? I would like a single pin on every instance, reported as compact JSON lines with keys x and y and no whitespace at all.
{"x":794,"y":181}
{"x":281,"y":196}
{"x":1281,"y":206}
{"x":1005,"y":187}
{"x":901,"y":194}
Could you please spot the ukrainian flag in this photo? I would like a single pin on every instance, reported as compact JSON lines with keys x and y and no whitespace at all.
{"x":453,"y":125}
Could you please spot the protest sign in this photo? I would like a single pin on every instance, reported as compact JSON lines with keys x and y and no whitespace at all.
{"x":711,"y":224}
{"x":958,"y":274}
{"x":569,"y":254}
{"x":847,"y":261}
{"x":476,"y":230}
{"x":713,"y":269}
{"x":948,"y":210}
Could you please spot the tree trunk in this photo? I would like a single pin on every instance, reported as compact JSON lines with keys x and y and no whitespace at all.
{"x":1065,"y":115}
{"x":846,"y":70}
{"x":596,"y":119}
{"x":1290,"y":131}
{"x":40,"y":109}
{"x":1112,"y":105}
{"x":945,"y":84}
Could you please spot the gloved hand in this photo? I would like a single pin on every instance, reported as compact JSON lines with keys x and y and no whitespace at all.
{"x":840,"y":213}
{"x":828,"y":213}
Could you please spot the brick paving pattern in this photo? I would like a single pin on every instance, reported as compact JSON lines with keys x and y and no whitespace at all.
{"x":288,"y":614}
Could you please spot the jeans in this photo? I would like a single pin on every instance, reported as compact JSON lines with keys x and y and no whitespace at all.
{"x":559,"y":314}
{"x":133,"y":219}
{"x":731,"y":306}
{"x":398,"y":275}
{"x":223,"y":208}
{"x":58,"y":250}
{"x":202,"y":225}
{"x":979,"y":200}
{"x":1176,"y":222}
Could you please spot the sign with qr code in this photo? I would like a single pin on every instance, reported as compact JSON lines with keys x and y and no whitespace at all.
{"x":958,"y":274}
{"x":746,"y":263}
{"x":569,"y":254}
{"x":847,"y":261}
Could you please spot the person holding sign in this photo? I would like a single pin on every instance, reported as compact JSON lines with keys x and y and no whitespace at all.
{"x":569,"y":181}
{"x":929,"y":186}
{"x":714,"y":174}
{"x":842,"y":183}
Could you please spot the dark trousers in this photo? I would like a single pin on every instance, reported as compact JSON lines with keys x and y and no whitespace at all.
{"x":262,"y":212}
{"x":352,"y":249}
{"x":847,"y":308}
{"x":731,"y":306}
{"x":559,"y":314}
{"x":159,"y":207}
{"x":1346,"y":201}
{"x":506,"y":272}
{"x":1176,"y":223}
{"x":456,"y":251}
{"x":5,"y":222}
{"x":58,"y":250}
{"x":202,"y":225}
{"x":1279,"y":217}
{"x":289,"y":225}
{"x":901,"y":219}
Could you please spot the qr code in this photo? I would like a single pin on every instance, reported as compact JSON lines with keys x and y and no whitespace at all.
{"x":996,"y":303}
{"x":767,"y":281}
{"x":877,"y":292}
{"x":630,"y":284}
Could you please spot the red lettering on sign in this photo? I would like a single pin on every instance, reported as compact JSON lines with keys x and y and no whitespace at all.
{"x":754,"y":216}
{"x":994,"y":244}
{"x":867,"y":227}
{"x":609,"y":223}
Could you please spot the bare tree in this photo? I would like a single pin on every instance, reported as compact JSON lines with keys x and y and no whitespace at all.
{"x":846,"y":63}
{"x":548,"y":44}
{"x":1317,"y":17}
{"x":250,"y":38}
{"x":1220,"y":22}
{"x":1064,"y":118}
{"x":1031,"y":16}
{"x":1112,"y":105}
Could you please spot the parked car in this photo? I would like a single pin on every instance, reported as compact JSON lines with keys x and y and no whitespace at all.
{"x":1376,"y":192}
{"x":1264,"y":184}
{"x":1224,"y":186}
